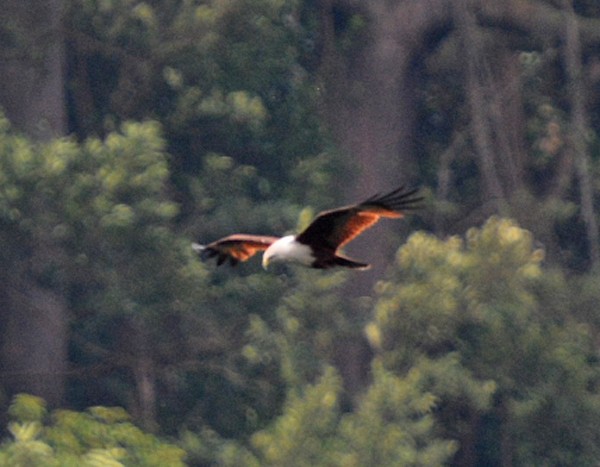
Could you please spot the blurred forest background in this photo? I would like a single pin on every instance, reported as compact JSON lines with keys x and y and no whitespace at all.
{"x":131,"y":128}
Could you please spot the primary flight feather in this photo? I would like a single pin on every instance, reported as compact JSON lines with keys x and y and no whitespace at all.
{"x":318,"y":245}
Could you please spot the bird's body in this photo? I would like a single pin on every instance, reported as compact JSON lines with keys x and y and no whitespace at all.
{"x":318,"y":245}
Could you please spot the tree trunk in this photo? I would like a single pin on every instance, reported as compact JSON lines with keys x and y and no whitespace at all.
{"x":33,"y":350}
{"x":578,"y":136}
{"x":144,"y":373}
{"x":32,"y":73}
{"x":370,"y":107}
{"x":476,"y":78}
{"x":34,"y":335}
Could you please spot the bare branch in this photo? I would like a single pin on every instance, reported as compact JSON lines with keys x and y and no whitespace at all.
{"x":534,"y":17}
{"x":475,"y":67}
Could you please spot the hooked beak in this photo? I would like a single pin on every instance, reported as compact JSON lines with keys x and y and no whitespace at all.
{"x":265,"y":262}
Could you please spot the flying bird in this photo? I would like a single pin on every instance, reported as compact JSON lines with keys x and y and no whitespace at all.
{"x":319,"y":244}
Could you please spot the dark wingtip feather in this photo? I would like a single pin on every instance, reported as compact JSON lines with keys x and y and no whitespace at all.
{"x":401,"y":198}
{"x":204,"y":252}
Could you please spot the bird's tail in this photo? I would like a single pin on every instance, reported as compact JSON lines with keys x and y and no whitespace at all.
{"x":348,"y":263}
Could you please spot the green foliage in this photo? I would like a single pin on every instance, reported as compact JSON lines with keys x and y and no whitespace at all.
{"x":310,"y":322}
{"x":489,"y":345}
{"x":100,"y":436}
{"x":302,"y":435}
{"x":27,"y":408}
{"x":120,"y":209}
{"x":208,"y":448}
{"x":392,"y":425}
{"x":94,"y":222}
{"x":221,"y":77}
{"x":290,"y":349}
{"x":483,"y":286}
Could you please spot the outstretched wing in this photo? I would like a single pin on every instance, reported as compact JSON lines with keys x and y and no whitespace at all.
{"x":332,"y":229}
{"x":235,"y":248}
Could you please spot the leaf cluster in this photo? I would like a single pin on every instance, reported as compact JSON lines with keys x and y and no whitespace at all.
{"x":98,"y":436}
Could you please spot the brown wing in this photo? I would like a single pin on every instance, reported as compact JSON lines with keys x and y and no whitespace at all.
{"x":235,"y":248}
{"x":333,"y":229}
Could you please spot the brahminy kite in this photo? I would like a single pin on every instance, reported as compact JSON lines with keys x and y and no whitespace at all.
{"x":318,"y":245}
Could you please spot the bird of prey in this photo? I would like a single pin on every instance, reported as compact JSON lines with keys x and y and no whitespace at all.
{"x":318,"y":246}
